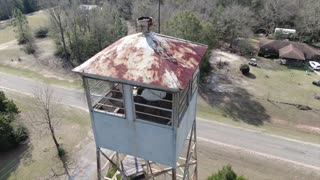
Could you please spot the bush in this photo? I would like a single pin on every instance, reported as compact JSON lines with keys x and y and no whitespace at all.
{"x":29,"y":49}
{"x":245,"y":69}
{"x":21,"y":134}
{"x":11,"y":133}
{"x":246,"y":49}
{"x":61,"y":152}
{"x":205,"y":66}
{"x":226,"y":173}
{"x":269,"y":54}
{"x":42,"y":32}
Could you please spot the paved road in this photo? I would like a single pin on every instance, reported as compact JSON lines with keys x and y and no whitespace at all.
{"x":291,"y":151}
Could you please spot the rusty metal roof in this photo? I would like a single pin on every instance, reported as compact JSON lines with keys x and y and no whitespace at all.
{"x":148,"y":58}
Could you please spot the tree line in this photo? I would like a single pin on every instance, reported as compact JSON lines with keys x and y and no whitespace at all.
{"x":25,"y":6}
{"x":82,"y":31}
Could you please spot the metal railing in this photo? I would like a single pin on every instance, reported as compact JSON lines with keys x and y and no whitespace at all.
{"x":106,"y":97}
{"x":157,"y":111}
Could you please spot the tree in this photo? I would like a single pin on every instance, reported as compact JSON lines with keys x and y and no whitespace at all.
{"x":234,"y":22}
{"x":45,"y":116}
{"x":5,"y":13}
{"x":11,"y":132}
{"x":271,"y":16}
{"x":56,"y":9}
{"x":88,"y":31}
{"x":226,"y":173}
{"x":20,"y":22}
{"x":46,"y":120}
{"x":245,"y":69}
{"x":185,"y":25}
{"x":30,"y":6}
{"x":22,"y":30}
{"x":308,"y":22}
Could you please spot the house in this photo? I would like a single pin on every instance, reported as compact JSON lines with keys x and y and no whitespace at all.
{"x":292,"y":55}
{"x":295,"y":53}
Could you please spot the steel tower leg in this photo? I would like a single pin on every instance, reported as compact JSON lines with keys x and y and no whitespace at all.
{"x":191,"y":157}
{"x":98,"y":164}
{"x":195,"y":150}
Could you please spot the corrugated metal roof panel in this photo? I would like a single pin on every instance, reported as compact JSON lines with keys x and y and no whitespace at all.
{"x":148,"y":58}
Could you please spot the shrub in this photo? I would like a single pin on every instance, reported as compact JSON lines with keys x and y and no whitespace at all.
{"x":245,"y":69}
{"x":226,"y":173}
{"x":42,"y":32}
{"x":246,"y":49}
{"x":11,"y":133}
{"x":21,"y":133}
{"x":205,"y":66}
{"x":29,"y":49}
{"x":269,"y":54}
{"x":61,"y":152}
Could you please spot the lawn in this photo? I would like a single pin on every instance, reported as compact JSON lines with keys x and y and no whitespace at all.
{"x":74,"y":84}
{"x":35,"y":20}
{"x":36,"y":159}
{"x":262,"y":101}
{"x":43,"y":65}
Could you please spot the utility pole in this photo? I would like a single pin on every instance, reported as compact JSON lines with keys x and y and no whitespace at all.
{"x":159,"y":5}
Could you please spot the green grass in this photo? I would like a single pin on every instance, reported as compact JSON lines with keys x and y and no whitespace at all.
{"x":208,"y":112}
{"x":289,"y":85}
{"x":35,"y":21}
{"x":277,"y":83}
{"x":36,"y":159}
{"x":34,"y":75}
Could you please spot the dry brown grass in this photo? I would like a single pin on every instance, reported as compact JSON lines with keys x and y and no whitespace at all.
{"x":262,"y":99}
{"x":36,"y":159}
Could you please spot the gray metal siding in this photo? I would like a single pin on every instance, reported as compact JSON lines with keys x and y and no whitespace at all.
{"x":137,"y":138}
{"x":186,"y":125}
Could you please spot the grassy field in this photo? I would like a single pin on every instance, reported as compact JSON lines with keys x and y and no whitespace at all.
{"x":39,"y":77}
{"x":43,"y":65}
{"x":36,"y":159}
{"x":262,"y":100}
{"x":35,"y":20}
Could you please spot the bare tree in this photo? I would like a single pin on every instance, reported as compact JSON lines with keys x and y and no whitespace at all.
{"x":235,"y":21}
{"x":278,"y":13}
{"x":46,"y":118}
{"x":308,"y":22}
{"x":47,"y":110}
{"x":56,"y":12}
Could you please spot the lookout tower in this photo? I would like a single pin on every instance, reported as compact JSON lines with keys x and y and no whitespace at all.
{"x":142,"y":95}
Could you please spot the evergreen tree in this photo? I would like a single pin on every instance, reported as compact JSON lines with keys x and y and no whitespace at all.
{"x":11,"y":134}
{"x":22,"y":30}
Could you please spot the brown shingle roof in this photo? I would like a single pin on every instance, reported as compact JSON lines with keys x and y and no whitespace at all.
{"x":290,"y":52}
{"x":275,"y":45}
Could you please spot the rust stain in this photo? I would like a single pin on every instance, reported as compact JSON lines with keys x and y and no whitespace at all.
{"x":149,"y":58}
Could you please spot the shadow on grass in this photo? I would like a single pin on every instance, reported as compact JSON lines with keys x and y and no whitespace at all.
{"x":250,"y":75}
{"x":299,"y":68}
{"x":237,"y":104}
{"x":9,"y":161}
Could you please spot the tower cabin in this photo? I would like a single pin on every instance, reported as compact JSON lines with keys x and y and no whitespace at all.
{"x":142,"y":94}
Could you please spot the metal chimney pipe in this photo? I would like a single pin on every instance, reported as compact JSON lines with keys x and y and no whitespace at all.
{"x":144,"y":24}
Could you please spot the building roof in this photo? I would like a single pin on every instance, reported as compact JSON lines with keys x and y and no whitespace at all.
{"x":147,"y":58}
{"x":308,"y":51}
{"x":290,"y":52}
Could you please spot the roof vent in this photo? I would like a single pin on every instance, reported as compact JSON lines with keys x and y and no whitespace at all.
{"x":144,"y":24}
